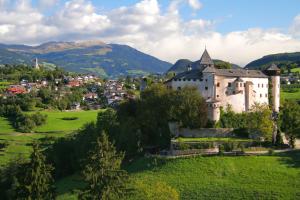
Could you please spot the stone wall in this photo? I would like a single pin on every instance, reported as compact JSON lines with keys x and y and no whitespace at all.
{"x":201,"y":132}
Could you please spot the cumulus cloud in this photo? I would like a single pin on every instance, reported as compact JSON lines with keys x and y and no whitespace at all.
{"x":145,"y":26}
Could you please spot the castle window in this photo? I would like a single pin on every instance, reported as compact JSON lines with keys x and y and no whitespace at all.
{"x":233,"y":92}
{"x":195,"y":79}
{"x":201,"y":79}
{"x":184,"y":79}
{"x":179,"y":79}
{"x":266,"y":95}
{"x":179,"y":88}
{"x":241,"y":84}
{"x":218,"y":84}
{"x":258,"y":85}
{"x":205,"y":80}
{"x":229,"y":84}
{"x":244,"y":84}
{"x":218,"y":96}
{"x":175,"y":79}
{"x":189,"y":79}
{"x":260,"y":95}
{"x":262,"y":85}
{"x":206,"y":88}
{"x":237,"y":85}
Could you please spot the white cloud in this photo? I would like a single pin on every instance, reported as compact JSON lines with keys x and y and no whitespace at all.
{"x":46,"y":4}
{"x":146,"y":27}
{"x":195,"y":4}
{"x":295,"y":28}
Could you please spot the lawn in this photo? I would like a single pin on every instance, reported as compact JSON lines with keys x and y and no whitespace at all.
{"x":296,"y":70}
{"x":5,"y":126}
{"x":214,"y":140}
{"x":244,"y":177}
{"x":20,"y":143}
{"x":56,"y":121}
{"x":290,"y":95}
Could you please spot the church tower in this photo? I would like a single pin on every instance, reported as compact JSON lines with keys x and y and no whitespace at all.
{"x":36,"y":66}
{"x":274,"y":73}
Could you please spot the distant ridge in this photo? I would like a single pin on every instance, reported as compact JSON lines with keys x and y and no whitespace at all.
{"x":97,"y":57}
{"x":279,"y":59}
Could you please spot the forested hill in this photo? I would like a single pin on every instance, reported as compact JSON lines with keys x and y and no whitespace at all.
{"x":281,"y":59}
{"x":182,"y":65}
{"x":106,"y":60}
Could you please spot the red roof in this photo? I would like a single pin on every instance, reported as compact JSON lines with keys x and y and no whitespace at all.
{"x":16,"y":90}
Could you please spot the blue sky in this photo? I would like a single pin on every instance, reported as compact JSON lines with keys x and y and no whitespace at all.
{"x":230,"y":14}
{"x":234,"y":30}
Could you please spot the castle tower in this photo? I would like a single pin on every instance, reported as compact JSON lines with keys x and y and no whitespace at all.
{"x":274,"y":73}
{"x":213,"y":110}
{"x":204,"y":62}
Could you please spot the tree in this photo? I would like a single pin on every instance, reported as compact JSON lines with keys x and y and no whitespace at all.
{"x":106,"y":180}
{"x":222,"y":65}
{"x":260,"y":119}
{"x":290,"y":120}
{"x":37,"y":183}
{"x":189,"y":108}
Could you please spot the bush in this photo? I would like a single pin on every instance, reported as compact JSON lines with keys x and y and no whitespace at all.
{"x":241,"y":132}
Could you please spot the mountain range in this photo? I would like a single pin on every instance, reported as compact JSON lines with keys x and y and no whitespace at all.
{"x":106,"y":60}
{"x":113,"y":60}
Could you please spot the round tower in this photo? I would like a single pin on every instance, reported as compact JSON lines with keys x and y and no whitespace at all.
{"x":213,"y":110}
{"x":274,"y":73}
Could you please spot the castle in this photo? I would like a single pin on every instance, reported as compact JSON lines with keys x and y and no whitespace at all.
{"x":240,"y":88}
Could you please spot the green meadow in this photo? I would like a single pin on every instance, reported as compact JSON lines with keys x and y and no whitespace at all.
{"x":58,"y":121}
{"x":59,"y":124}
{"x":218,"y":177}
{"x":296,"y":70}
{"x":294,"y":94}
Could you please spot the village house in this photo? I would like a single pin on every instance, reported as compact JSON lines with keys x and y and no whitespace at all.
{"x":240,"y":88}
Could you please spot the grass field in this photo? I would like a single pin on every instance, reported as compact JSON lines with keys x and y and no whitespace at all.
{"x":214,"y":140}
{"x":56,"y":123}
{"x":245,"y":177}
{"x":296,"y":70}
{"x":290,"y":95}
{"x":20,"y":143}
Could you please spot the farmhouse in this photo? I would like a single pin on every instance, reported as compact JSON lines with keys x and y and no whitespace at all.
{"x":240,"y":88}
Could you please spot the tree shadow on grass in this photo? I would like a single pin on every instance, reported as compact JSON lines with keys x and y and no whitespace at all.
{"x":291,"y":159}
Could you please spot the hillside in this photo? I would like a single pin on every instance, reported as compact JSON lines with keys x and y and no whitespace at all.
{"x":279,"y":59}
{"x":182,"y":64}
{"x":107,"y":60}
{"x":219,"y":178}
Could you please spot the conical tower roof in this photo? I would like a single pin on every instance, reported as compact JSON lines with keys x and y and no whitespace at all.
{"x":272,"y":67}
{"x":205,"y":59}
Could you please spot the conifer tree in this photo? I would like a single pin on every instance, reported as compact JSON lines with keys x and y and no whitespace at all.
{"x":106,"y":180}
{"x":37,"y":182}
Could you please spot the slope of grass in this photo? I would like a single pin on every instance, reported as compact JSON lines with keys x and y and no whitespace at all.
{"x":57,"y":123}
{"x":255,"y":177}
{"x":5,"y":126}
{"x":214,"y":178}
{"x":57,"y":126}
{"x":293,"y":95}
{"x":214,"y":140}
{"x":295,"y":70}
